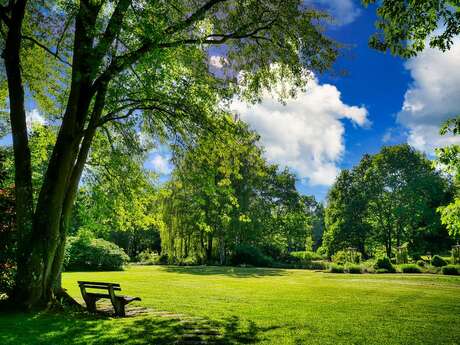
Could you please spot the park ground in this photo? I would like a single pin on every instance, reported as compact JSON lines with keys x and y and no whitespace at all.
{"x":227,"y":305}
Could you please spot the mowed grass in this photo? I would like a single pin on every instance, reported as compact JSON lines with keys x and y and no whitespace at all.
{"x":261,"y":306}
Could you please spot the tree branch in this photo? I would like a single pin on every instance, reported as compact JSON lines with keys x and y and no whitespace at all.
{"x":196,"y":16}
{"x":55,"y":54}
{"x":112,"y":30}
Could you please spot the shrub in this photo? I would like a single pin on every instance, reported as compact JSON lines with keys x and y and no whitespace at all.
{"x":315,"y":265}
{"x":452,"y":270}
{"x":340,"y":257}
{"x":421,"y":263}
{"x":84,"y":253}
{"x":455,"y":255}
{"x":382,"y":270}
{"x":334,"y":268}
{"x":344,"y":256}
{"x":188,"y":261}
{"x":354,"y":269}
{"x":402,"y":255}
{"x":274,"y":251}
{"x":306,"y":256}
{"x":248,"y":255}
{"x":410,"y":268}
{"x":384,"y":263}
{"x":147,"y":257}
{"x":7,"y":276}
{"x":438,"y":261}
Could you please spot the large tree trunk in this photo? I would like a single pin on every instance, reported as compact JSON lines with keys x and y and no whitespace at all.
{"x":22,"y":160}
{"x":53,"y":205}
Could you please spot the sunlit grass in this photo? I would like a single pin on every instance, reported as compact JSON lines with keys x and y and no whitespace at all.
{"x":263,"y":306}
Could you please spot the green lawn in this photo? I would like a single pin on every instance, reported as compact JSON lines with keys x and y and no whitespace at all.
{"x":262,"y":306}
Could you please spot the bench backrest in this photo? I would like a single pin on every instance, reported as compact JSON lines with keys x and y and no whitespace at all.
{"x":99,"y":285}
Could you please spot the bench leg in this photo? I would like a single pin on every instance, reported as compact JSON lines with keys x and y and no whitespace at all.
{"x":119,"y":308}
{"x":91,"y":304}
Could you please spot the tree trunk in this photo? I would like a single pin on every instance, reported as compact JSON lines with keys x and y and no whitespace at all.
{"x":209,"y":249}
{"x":50,"y":220}
{"x":222,"y":250}
{"x":22,"y":160}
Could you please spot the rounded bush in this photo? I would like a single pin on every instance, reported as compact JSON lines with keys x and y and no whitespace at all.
{"x":452,"y":270}
{"x":384,"y":263}
{"x":248,"y":255}
{"x":306,"y":256}
{"x":147,"y":257}
{"x":354,"y":269}
{"x":410,"y":268}
{"x":84,"y":253}
{"x":421,"y":263}
{"x":438,"y":261}
{"x":334,"y":268}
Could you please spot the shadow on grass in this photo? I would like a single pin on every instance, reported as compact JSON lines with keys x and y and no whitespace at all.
{"x":237,"y":272}
{"x":82,"y":329}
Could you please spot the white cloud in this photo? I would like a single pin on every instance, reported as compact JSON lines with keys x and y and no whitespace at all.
{"x":432,"y":98}
{"x":217,"y":61}
{"x":343,"y":11}
{"x":160,"y":165}
{"x":307,"y":133}
{"x":34,"y":117}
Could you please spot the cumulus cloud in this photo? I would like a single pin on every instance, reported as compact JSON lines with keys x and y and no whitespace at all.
{"x":217,"y":61}
{"x":343,"y":11}
{"x":306,"y":134}
{"x":160,"y":164}
{"x":432,"y":98}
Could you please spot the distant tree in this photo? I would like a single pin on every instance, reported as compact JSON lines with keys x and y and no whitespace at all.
{"x":449,"y":160}
{"x":345,"y":214}
{"x":224,"y":194}
{"x":118,"y":198}
{"x":404,"y":27}
{"x":388,"y":199}
{"x":406,"y":192}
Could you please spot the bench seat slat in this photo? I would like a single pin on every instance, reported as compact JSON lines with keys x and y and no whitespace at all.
{"x":97,"y":283}
{"x":115,"y":288}
{"x":125,"y":298}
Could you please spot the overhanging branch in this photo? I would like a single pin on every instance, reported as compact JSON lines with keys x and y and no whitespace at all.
{"x":49,"y":51}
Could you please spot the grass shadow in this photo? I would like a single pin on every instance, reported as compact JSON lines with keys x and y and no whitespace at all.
{"x":236,"y":272}
{"x":84,"y":329}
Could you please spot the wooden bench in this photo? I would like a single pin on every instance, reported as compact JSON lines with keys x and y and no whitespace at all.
{"x":91,"y":298}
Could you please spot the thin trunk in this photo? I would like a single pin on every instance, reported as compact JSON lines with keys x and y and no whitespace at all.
{"x":222,"y":249}
{"x":209,"y":249}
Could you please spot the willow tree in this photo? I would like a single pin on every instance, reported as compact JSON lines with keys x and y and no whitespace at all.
{"x":132,"y":66}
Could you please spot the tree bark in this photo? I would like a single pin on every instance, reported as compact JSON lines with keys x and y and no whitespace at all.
{"x":22,"y":159}
{"x":47,"y":240}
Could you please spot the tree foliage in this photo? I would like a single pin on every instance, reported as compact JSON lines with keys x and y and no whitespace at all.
{"x":449,"y":159}
{"x":389,"y":198}
{"x":404,"y":27}
{"x":224,"y":195}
